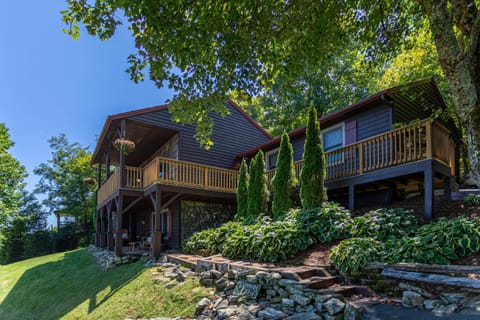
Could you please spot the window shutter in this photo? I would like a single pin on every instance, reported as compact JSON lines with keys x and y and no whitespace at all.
{"x":350,"y":132}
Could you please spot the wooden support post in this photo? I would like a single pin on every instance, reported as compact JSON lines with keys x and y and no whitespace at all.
{"x":97,"y":228}
{"x":447,"y":187}
{"x":107,"y":165}
{"x":118,"y":233}
{"x":109,"y":228}
{"x":351,"y":197}
{"x":428,"y":191}
{"x":428,"y":134}
{"x":102,"y":228}
{"x":360,"y":156}
{"x":122,"y":157}
{"x":157,"y":234}
{"x":99,"y":176}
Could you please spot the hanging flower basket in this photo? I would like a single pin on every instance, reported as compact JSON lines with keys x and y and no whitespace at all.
{"x":124,"y":145}
{"x":91,"y":182}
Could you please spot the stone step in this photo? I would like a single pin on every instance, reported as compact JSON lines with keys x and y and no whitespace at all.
{"x":319,"y":282}
{"x":347,"y":291}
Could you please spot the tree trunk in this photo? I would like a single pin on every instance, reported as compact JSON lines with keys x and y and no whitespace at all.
{"x":459,"y":58}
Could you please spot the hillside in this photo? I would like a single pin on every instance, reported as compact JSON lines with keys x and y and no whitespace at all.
{"x":70,"y":285}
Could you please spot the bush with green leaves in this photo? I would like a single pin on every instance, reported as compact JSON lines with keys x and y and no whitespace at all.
{"x":326,"y":224}
{"x":436,"y":243}
{"x":210,"y":241}
{"x":383,"y":224}
{"x":351,"y":254}
{"x":472,"y":200}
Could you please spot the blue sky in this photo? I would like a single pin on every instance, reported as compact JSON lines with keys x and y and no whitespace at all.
{"x":51,"y":84}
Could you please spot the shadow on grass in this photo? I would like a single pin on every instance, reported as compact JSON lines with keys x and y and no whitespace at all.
{"x":51,"y":290}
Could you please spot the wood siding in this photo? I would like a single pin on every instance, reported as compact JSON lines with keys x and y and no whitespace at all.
{"x":231,"y":136}
{"x":372,"y":121}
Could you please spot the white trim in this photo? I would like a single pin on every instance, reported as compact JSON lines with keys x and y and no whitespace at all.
{"x":268,"y":154}
{"x":335,"y":127}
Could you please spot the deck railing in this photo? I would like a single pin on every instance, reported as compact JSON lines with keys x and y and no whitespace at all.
{"x":424,"y":140}
{"x":411,"y":143}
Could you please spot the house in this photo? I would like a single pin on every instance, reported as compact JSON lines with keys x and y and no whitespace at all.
{"x":167,"y":180}
{"x":383,"y":147}
{"x":168,"y":187}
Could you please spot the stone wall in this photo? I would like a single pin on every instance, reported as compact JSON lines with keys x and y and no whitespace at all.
{"x":267,"y":295}
{"x":197,"y":216}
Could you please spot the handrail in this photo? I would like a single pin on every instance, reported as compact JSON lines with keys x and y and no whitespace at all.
{"x":109,"y":187}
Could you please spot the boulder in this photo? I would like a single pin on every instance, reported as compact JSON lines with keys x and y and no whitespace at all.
{"x":334,"y":306}
{"x":412,"y":299}
{"x":271,"y":313}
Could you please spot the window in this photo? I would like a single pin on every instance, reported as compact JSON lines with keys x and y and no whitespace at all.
{"x":333,"y":138}
{"x":271,"y":157}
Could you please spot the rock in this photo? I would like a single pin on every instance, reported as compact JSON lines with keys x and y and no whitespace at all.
{"x":206,"y":275}
{"x":180,"y":276}
{"x":334,"y":306}
{"x":271,"y":313}
{"x":226,"y":313}
{"x":232,"y":299}
{"x":445,"y":310}
{"x":304,"y":316}
{"x":454,"y":297}
{"x":232,"y":274}
{"x":221,"y":284}
{"x":202,"y":304}
{"x":283,"y":293}
{"x":171,"y":284}
{"x":206,"y":282}
{"x":431,"y":304}
{"x":230,"y":285}
{"x":253,"y":309}
{"x":412,"y":299}
{"x":351,"y":312}
{"x":215,"y":274}
{"x":220,"y":304}
{"x":260,"y":275}
{"x":301,"y":299}
{"x":289,"y":303}
{"x":409,"y":287}
{"x":286,"y":283}
{"x":326,"y":316}
{"x":322,"y":298}
{"x":251,"y":278}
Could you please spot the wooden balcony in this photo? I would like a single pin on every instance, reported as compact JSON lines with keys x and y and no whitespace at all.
{"x":171,"y":172}
{"x":427,"y":140}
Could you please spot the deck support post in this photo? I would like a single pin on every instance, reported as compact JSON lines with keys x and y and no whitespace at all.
{"x":119,"y":233}
{"x":157,"y":234}
{"x":102,"y":228}
{"x":97,"y":229}
{"x":122,"y":157}
{"x":428,"y":191}
{"x":109,"y":228}
{"x":351,"y":197}
{"x":447,"y":188}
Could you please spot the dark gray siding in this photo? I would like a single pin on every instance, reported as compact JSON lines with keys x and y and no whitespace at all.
{"x":372,"y":121}
{"x":231,"y":136}
{"x":298,"y":145}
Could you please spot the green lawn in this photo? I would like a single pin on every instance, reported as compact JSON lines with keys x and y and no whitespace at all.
{"x":70,"y":285}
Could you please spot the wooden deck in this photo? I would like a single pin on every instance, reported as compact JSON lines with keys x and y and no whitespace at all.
{"x":425,"y":140}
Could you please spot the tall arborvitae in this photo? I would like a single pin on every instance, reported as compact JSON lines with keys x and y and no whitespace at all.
{"x":312,"y":176}
{"x":285,"y":180}
{"x":242,"y":191}
{"x":257,"y":188}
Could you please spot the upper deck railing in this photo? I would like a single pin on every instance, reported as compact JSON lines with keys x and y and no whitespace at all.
{"x":424,"y":140}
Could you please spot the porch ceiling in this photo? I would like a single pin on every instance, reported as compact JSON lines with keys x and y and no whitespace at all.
{"x":147,"y":138}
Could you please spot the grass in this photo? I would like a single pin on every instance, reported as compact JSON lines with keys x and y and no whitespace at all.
{"x":70,"y":285}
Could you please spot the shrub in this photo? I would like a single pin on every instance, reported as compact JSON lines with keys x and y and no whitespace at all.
{"x":383,"y":224}
{"x":351,"y":254}
{"x":284,"y":181}
{"x":326,"y":224}
{"x":312,"y":176}
{"x":257,"y":188}
{"x":472,"y":200}
{"x":242,"y":191}
{"x":210,"y":241}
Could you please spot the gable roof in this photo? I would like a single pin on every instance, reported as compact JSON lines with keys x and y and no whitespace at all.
{"x":112,"y":119}
{"x":386,"y":96}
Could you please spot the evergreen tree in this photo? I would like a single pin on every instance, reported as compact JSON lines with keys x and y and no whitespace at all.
{"x":312,"y":176}
{"x":242,"y":191}
{"x":284,"y":181}
{"x":257,"y":188}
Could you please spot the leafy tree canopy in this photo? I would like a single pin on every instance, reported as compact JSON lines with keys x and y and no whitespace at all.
{"x":61,"y":179}
{"x":12,"y":175}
